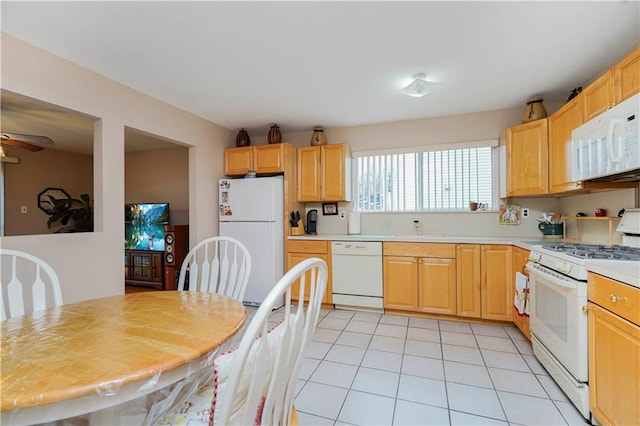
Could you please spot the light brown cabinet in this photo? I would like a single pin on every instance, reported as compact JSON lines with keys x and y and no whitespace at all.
{"x":324,"y":173}
{"x":527,"y":159}
{"x":561,"y":124}
{"x":420,"y":277}
{"x":626,"y":76}
{"x":598,"y":96}
{"x":614,"y":86}
{"x":484,"y":281}
{"x":520,"y":258}
{"x":614,"y":351}
{"x":299,"y":250}
{"x":262,"y":159}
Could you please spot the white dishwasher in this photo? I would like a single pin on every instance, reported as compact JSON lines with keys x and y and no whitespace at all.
{"x":357,"y":274}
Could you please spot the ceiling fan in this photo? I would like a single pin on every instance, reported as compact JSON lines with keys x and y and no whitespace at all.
{"x":22,"y":141}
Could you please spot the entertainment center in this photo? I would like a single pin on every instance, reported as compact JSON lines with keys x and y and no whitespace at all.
{"x":158,"y":270}
{"x":154,"y":250}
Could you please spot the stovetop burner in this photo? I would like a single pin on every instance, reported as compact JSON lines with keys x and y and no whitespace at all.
{"x":595,"y":251}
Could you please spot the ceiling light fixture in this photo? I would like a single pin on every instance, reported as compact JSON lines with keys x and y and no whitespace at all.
{"x":418,"y":87}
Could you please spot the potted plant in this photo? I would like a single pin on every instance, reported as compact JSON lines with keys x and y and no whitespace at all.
{"x":75,"y":215}
{"x":473,"y":206}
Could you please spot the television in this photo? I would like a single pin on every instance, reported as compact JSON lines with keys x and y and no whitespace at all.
{"x":144,"y":226}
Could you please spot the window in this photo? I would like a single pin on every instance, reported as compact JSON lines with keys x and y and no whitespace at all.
{"x":426,"y":180}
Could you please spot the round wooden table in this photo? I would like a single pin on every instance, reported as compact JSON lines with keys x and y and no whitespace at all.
{"x":87,"y":356}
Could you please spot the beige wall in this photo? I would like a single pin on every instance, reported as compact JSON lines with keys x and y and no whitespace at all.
{"x":90,"y":264}
{"x":159,"y":176}
{"x":36,"y":172}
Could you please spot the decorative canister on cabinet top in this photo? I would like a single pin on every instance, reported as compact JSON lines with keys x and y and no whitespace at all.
{"x":243,"y":138}
{"x":274,"y":135}
{"x":318,"y":137}
{"x":534,"y":110}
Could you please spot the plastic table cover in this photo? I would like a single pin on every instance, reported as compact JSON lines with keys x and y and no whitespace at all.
{"x":82,"y":357}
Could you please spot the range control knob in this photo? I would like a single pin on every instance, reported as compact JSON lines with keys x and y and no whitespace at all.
{"x":563,"y":267}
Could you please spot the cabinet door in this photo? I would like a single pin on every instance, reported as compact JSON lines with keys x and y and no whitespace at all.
{"x":400,"y":283}
{"x":334,"y":174}
{"x":269,"y":158}
{"x":293,"y":259}
{"x":238,"y":161}
{"x":614,"y":369}
{"x":598,"y":96}
{"x":468,"y":280}
{"x":561,"y":124}
{"x":437,"y":285}
{"x":520,"y":258}
{"x":627,"y":76}
{"x":496,"y":265}
{"x":527,"y":159}
{"x":156,"y":267}
{"x":309,"y":174}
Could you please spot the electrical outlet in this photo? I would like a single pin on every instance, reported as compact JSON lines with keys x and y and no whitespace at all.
{"x":23,"y":209}
{"x":525,"y":212}
{"x":341,"y":213}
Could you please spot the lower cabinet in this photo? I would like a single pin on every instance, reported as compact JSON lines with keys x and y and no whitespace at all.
{"x":614,"y":351}
{"x":144,"y":268}
{"x":484,"y":280}
{"x":520,"y":259}
{"x":300,"y":250}
{"x":420,"y":277}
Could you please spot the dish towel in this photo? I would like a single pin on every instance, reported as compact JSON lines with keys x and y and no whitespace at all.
{"x":521,"y":299}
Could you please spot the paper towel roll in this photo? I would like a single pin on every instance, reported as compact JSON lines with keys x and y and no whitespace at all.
{"x":354,"y":223}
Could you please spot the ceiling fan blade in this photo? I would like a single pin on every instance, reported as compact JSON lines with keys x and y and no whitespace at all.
{"x":27,"y":138}
{"x":21,"y":144}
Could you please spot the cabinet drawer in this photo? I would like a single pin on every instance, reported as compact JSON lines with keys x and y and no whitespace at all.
{"x":445,"y":251}
{"x":619,"y":298}
{"x":308,"y":246}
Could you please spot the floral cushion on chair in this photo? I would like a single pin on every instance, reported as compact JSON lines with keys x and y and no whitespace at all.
{"x":203,"y":407}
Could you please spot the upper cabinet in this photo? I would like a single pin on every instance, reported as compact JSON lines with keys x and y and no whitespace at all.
{"x":262,"y":159}
{"x":561,"y":124}
{"x":626,"y":76}
{"x":539,"y":153}
{"x":598,"y":96}
{"x":324,"y":173}
{"x":614,"y":86}
{"x":527,"y":159}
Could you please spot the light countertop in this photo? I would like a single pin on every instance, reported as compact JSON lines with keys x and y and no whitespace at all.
{"x":522,"y":242}
{"x":626,"y":271}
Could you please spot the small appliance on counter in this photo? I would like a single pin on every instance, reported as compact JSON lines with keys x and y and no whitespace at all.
{"x":312,"y":221}
{"x":629,"y":226}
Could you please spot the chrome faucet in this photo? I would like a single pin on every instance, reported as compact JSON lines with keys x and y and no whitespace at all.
{"x":418,"y":225}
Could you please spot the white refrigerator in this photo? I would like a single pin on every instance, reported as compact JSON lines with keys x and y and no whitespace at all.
{"x":251,"y":210}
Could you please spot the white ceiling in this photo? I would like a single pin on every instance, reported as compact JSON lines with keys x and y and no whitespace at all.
{"x":305,"y":64}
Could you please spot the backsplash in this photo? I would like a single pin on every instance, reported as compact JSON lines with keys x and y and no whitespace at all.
{"x":485,"y":224}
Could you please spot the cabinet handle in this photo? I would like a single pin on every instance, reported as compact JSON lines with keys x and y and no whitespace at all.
{"x":483,"y":248}
{"x":615,"y":299}
{"x":306,"y":246}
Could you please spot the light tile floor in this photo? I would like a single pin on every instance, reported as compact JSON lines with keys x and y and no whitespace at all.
{"x":365,"y":368}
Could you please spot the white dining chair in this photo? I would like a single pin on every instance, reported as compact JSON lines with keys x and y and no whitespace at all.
{"x":28,"y":283}
{"x":256,"y":384}
{"x":217,"y":265}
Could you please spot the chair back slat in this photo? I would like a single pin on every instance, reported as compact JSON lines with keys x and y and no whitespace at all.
{"x":31,"y":284}
{"x":225,"y":267}
{"x":206,"y":269}
{"x":15,"y":291}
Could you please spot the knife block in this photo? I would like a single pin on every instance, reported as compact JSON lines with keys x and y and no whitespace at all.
{"x":298,"y":230}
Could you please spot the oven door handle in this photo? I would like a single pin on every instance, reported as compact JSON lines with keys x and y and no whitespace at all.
{"x":550,"y":276}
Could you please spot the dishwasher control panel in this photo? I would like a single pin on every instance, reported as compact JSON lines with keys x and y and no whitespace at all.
{"x":357,"y":248}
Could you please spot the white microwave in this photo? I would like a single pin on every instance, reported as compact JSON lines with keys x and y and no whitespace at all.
{"x":609,"y":144}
